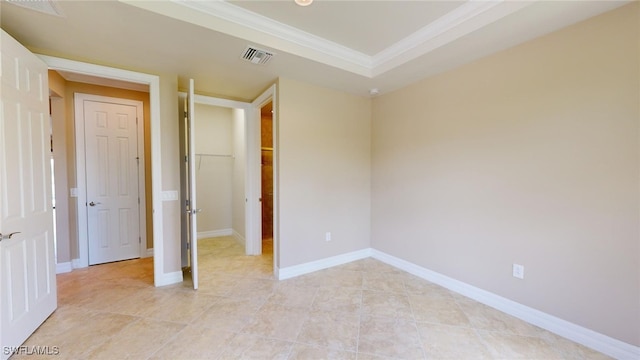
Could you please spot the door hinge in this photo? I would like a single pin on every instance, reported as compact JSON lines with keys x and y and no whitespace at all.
{"x":188,"y":245}
{"x":186,"y":158}
{"x":139,"y":240}
{"x":138,"y":201}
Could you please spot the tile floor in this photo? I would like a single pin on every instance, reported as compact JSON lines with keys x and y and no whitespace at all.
{"x":362,"y":310}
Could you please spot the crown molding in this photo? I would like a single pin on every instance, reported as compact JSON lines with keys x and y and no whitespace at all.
{"x":469,"y":17}
{"x":254,"y":21}
{"x":236,"y":21}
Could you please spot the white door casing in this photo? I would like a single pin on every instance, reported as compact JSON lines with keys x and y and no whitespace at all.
{"x":254,"y":181}
{"x":161,"y":275}
{"x":27,"y":263}
{"x":112,"y":184}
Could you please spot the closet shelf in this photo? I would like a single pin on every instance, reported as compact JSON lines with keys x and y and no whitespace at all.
{"x":217,"y":155}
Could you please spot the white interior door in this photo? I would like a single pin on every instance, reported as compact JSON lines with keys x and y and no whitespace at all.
{"x":27,"y":263}
{"x":192,"y":208}
{"x":112,"y":160}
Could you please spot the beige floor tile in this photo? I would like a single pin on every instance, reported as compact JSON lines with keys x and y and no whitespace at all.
{"x":196,"y":342}
{"x":330,"y":329}
{"x":384,"y":281}
{"x":103,"y":300}
{"x":365,"y":356}
{"x":451,"y":342}
{"x":437,"y":309}
{"x":390,"y":337}
{"x":277,"y":322}
{"x":486,"y":318}
{"x":307,"y":352}
{"x":342,"y":278}
{"x":216,"y":285}
{"x":252,"y":288}
{"x":289,"y":294}
{"x":417,"y":286}
{"x":571,"y":350}
{"x":229,"y":314}
{"x":512,"y":346}
{"x":113,"y":311}
{"x":338,"y":299}
{"x":247,"y":346}
{"x":185,"y":306}
{"x":377,"y":303}
{"x":138,"y":340}
{"x":75,"y":339}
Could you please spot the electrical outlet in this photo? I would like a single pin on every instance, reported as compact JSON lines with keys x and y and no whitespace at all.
{"x":518,"y":271}
{"x":327,"y":236}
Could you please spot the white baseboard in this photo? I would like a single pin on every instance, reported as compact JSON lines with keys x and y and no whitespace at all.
{"x":306,"y":268}
{"x":149,"y":253}
{"x":62,"y":268}
{"x":215,"y":233}
{"x":239,"y":238}
{"x":77,"y":264}
{"x":571,"y":331}
{"x":168,"y":278}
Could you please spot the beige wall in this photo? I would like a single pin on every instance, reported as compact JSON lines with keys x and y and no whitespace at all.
{"x":169,"y":143}
{"x":239,"y":165}
{"x":324,"y":171}
{"x":57,"y":95}
{"x":214,"y":174}
{"x":528,"y":156}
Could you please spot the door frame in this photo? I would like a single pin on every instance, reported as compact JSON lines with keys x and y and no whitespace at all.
{"x":233,"y":104}
{"x":81,"y":172}
{"x":254,"y":183}
{"x":161,"y":278}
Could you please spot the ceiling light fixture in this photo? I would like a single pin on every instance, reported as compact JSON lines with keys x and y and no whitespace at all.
{"x":303,"y":2}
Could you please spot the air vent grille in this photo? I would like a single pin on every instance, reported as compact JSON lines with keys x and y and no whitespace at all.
{"x":257,"y":56}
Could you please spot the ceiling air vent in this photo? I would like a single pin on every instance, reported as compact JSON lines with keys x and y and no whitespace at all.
{"x":257,"y":56}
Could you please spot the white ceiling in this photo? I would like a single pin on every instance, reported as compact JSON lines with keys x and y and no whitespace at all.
{"x":347,"y":45}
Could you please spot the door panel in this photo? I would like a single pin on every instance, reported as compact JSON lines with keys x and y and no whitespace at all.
{"x":27,"y":264}
{"x":112,"y":181}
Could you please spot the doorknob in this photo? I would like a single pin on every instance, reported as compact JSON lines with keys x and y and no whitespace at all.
{"x":2,"y":237}
{"x":94,"y":203}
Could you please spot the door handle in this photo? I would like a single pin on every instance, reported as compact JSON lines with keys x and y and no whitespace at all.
{"x":8,"y":236}
{"x":94,"y":203}
{"x":194,"y":211}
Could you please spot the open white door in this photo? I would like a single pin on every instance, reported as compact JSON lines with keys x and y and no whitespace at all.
{"x":27,"y":262}
{"x":192,"y":209}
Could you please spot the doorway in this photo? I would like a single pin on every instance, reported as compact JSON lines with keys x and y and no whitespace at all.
{"x":241,"y":153}
{"x":110,"y":141}
{"x":266,"y":175}
{"x":72,"y":250}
